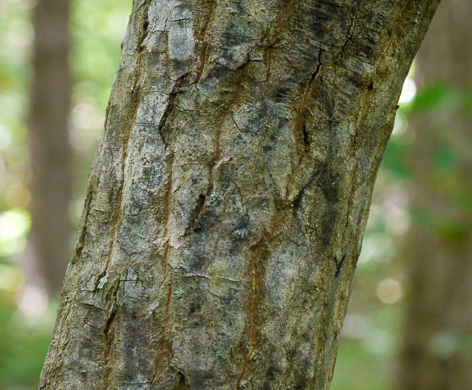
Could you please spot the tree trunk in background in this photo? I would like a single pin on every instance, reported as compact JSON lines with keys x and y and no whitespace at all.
{"x":229,"y":195}
{"x":438,"y":333}
{"x":49,"y":140}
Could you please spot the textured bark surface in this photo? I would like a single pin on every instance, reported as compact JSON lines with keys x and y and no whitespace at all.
{"x":49,"y":140}
{"x":229,"y":194}
{"x":438,"y":332}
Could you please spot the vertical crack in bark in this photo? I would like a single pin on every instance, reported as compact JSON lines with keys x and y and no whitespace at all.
{"x":195,"y":214}
{"x":109,"y":343}
{"x":167,"y":320}
{"x":201,"y":201}
{"x":278,"y":31}
{"x":166,"y":265}
{"x":205,"y":43}
{"x":134,"y":99}
{"x":166,"y":260}
{"x":339,"y":264}
{"x":395,"y":33}
{"x":83,"y":233}
{"x":169,"y":196}
{"x":253,"y":312}
{"x":350,"y":201}
{"x":126,"y":142}
{"x":167,"y":314}
{"x":182,"y":382}
{"x":170,"y":107}
{"x":119,"y":201}
{"x":273,"y":223}
{"x":228,"y":110}
{"x":255,"y":275}
{"x":349,"y":34}
{"x":300,"y":129}
{"x":289,"y":180}
{"x":322,"y":336}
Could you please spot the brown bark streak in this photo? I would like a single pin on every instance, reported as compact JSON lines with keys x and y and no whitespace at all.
{"x":168,"y":197}
{"x":239,"y":86}
{"x":394,"y":35}
{"x":204,"y":43}
{"x":202,"y":199}
{"x":170,"y":107}
{"x":278,"y":31}
{"x":255,"y":275}
{"x":300,"y":121}
{"x":253,"y":313}
{"x":120,"y":190}
{"x":166,"y":324}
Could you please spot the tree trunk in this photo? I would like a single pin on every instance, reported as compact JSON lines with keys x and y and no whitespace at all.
{"x":438,"y":334}
{"x":229,"y":194}
{"x":49,"y":140}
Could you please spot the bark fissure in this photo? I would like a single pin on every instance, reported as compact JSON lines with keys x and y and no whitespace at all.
{"x":253,"y":313}
{"x":255,"y":275}
{"x":202,"y":198}
{"x":203,"y":55}
{"x":167,"y":320}
{"x":167,"y":312}
{"x":289,"y":180}
{"x":195,"y":213}
{"x":297,"y":199}
{"x":109,"y":341}
{"x":168,"y":196}
{"x":339,"y":264}
{"x":83,"y":233}
{"x":170,"y":107}
{"x":135,"y":103}
{"x":239,"y":86}
{"x":166,"y":261}
{"x":349,"y":34}
{"x":134,"y":100}
{"x":119,"y":201}
{"x":395,"y":33}
{"x":117,"y":218}
{"x":278,"y":31}
{"x":300,"y":127}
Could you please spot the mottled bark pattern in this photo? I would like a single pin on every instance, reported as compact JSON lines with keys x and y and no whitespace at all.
{"x":230,"y":191}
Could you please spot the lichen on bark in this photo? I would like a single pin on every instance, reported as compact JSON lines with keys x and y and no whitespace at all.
{"x":229,"y":193}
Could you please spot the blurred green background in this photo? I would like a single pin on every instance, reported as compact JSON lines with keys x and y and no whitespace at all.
{"x":98,"y":26}
{"x":371,"y":338}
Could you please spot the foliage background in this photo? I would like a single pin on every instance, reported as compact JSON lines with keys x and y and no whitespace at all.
{"x":371,"y":334}
{"x":98,"y":26}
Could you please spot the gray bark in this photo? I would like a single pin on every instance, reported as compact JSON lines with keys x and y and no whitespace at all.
{"x":50,"y":147}
{"x":229,"y":193}
{"x":437,"y":351}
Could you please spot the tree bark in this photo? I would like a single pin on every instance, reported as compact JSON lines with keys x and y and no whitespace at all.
{"x":49,"y":140}
{"x":229,"y":193}
{"x":437,"y":352}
